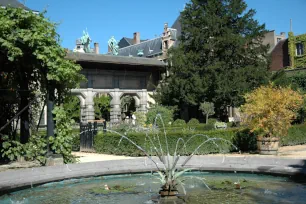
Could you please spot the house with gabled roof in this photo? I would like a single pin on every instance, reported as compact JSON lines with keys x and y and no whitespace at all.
{"x":150,"y":48}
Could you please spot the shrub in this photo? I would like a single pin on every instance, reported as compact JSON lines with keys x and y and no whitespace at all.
{"x":296,"y":136}
{"x":193,"y":122}
{"x":141,"y":118}
{"x":62,"y":143}
{"x":108,"y":143}
{"x":271,"y":110}
{"x":179,"y":122}
{"x":245,"y":140}
{"x":166,"y":114}
{"x":212,"y":121}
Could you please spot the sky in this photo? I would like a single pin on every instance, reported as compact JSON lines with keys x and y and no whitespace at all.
{"x":121,"y":18}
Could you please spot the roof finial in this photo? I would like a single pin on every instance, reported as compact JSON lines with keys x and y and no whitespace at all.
{"x":290,"y":25}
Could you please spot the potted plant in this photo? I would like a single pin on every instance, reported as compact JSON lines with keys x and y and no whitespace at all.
{"x":269,"y":111}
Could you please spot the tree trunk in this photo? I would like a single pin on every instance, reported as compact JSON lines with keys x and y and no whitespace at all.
{"x":184,"y":112}
{"x":24,"y":118}
{"x":206,"y":118}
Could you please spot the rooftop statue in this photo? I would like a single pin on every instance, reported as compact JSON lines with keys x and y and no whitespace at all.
{"x":86,"y":40}
{"x":113,"y":45}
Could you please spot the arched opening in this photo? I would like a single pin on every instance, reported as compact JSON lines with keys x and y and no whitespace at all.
{"x":102,"y":106}
{"x":128,"y":106}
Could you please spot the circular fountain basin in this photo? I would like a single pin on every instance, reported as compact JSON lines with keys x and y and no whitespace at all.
{"x":143,"y":188}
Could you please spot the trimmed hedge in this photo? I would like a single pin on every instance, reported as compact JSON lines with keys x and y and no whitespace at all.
{"x":193,"y":122}
{"x":296,"y":136}
{"x":179,"y":122}
{"x":109,"y":143}
{"x":242,"y":138}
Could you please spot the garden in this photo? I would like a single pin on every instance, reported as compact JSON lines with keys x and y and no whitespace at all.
{"x":205,"y":83}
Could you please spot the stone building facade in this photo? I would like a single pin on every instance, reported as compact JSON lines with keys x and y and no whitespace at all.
{"x":116,"y":76}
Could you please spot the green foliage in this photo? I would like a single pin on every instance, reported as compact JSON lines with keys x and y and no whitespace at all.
{"x":242,"y":138}
{"x":73,"y":107}
{"x":207,"y":109}
{"x":220,"y":56}
{"x":246,"y":140}
{"x":32,"y":60}
{"x":271,"y":110}
{"x":11,"y":149}
{"x":102,"y":107}
{"x":35,"y":149}
{"x":179,"y":122}
{"x":62,"y":143}
{"x":166,"y":114}
{"x":296,"y":136}
{"x":141,"y":118}
{"x":212,"y":121}
{"x":297,"y":81}
{"x":193,"y":122}
{"x":296,"y":61}
{"x":76,"y":140}
{"x":108,"y":143}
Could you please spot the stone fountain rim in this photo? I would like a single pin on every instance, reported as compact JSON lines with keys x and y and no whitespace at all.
{"x":12,"y":180}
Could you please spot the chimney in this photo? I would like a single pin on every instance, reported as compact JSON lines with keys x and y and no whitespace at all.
{"x":165,"y":27}
{"x":136,"y":39}
{"x":96,"y":48}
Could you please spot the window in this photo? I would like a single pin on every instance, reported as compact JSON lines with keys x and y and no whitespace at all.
{"x":299,"y":49}
{"x":78,"y":47}
{"x":166,"y":44}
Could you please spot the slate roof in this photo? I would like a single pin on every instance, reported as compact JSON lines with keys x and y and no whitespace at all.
{"x":178,"y":26}
{"x":124,"y":42}
{"x":14,"y":4}
{"x":149,"y":47}
{"x":111,"y":59}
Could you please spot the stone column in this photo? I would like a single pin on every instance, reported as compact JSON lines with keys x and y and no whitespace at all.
{"x":83,"y":114}
{"x":143,"y":100}
{"x":115,"y":113}
{"x":89,"y":105}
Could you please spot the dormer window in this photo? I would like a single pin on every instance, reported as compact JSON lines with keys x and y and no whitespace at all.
{"x":299,"y":49}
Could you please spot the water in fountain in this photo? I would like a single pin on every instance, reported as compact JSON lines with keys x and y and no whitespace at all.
{"x":171,"y":170}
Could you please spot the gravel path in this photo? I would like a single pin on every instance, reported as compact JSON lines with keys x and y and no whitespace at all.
{"x":298,"y":151}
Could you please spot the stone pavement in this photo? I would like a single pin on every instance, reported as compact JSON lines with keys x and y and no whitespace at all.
{"x":14,"y":179}
{"x":293,"y":152}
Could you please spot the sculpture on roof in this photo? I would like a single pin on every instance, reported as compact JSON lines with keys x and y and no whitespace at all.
{"x":113,"y":45}
{"x":85,"y":41}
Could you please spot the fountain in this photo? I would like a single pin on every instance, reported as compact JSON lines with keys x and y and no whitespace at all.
{"x":171,"y":171}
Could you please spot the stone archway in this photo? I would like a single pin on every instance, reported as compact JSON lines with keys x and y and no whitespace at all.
{"x":128,"y":105}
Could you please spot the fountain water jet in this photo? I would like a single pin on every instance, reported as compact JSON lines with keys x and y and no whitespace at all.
{"x":170,"y":175}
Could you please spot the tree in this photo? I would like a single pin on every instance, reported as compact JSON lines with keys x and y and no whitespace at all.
{"x":33,"y":60}
{"x":220,"y":56}
{"x":207,"y":109}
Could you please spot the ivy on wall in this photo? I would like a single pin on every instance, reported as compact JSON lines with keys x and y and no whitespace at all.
{"x":296,"y":61}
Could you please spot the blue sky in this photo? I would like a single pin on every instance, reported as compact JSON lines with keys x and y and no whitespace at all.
{"x":121,"y":18}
